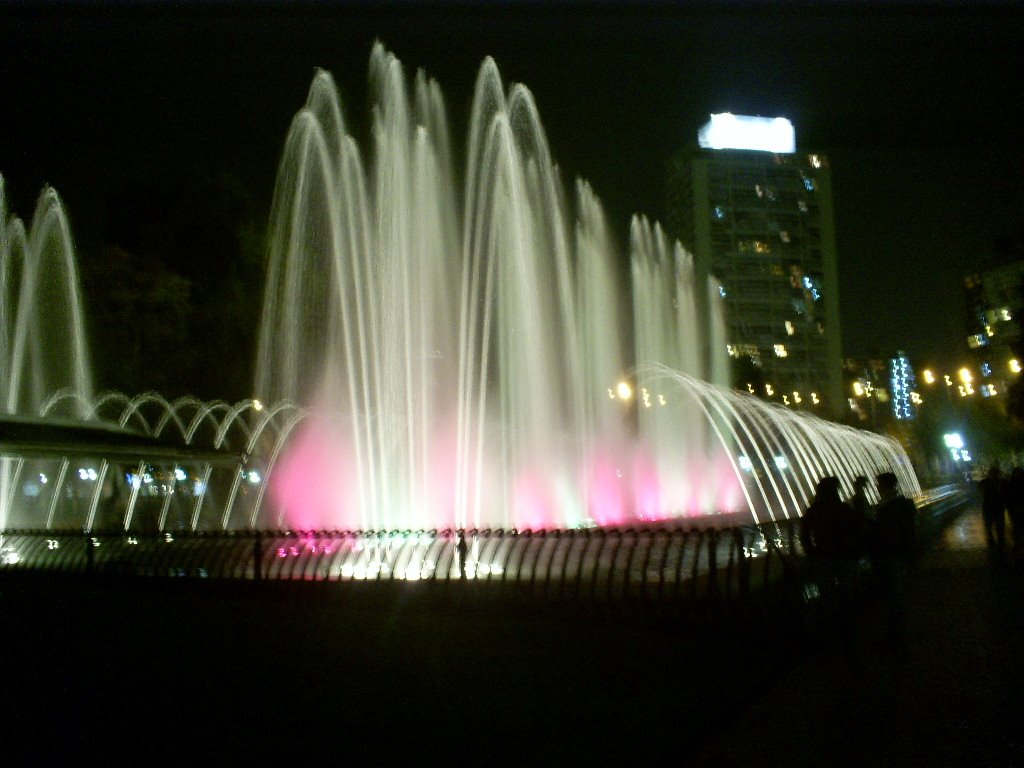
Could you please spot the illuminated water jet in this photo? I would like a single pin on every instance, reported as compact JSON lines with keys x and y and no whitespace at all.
{"x":457,"y":355}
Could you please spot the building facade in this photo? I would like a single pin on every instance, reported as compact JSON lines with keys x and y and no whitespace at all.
{"x":758,"y":215}
{"x":995,"y":299}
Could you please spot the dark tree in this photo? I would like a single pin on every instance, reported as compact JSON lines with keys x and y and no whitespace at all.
{"x":180,"y":288}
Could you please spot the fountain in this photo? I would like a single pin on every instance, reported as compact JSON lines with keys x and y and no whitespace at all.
{"x":457,"y":356}
{"x":42,"y":329}
{"x":428,"y":359}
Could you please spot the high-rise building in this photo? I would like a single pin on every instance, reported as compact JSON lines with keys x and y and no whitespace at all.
{"x":758,"y":216}
{"x":995,"y":302}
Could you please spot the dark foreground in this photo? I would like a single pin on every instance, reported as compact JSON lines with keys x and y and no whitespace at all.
{"x":227,"y":672}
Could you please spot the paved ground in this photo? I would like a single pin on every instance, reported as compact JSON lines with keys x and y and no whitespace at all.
{"x":952,"y":695}
{"x":188,"y":677}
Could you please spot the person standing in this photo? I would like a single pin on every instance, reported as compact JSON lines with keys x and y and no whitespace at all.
{"x":993,"y":508}
{"x":831,"y":537}
{"x":894,"y":548}
{"x":462,"y":552}
{"x":1015,"y":507}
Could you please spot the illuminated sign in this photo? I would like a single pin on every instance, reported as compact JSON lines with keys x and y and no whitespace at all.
{"x":764,"y":134}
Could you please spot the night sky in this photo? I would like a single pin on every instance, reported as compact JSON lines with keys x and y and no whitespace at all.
{"x":920,"y":110}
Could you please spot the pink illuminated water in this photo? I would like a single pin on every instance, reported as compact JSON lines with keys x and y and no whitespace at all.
{"x":459,"y":348}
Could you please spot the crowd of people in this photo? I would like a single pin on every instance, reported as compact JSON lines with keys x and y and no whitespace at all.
{"x":837,"y":536}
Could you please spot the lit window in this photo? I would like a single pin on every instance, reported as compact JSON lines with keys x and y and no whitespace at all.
{"x":780,"y":350}
{"x":986,"y":369}
{"x":721,"y":291}
{"x":732,"y":350}
{"x":789,"y":328}
{"x":988,"y":331}
{"x":802,"y":206}
{"x":784,"y":236}
{"x":758,"y":190}
{"x":719,"y":212}
{"x":1004,"y":313}
{"x":814,"y":160}
{"x":809,"y":185}
{"x":1015,"y":365}
{"x":977,"y":340}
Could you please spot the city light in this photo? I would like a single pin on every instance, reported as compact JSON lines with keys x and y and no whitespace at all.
{"x":928,"y":376}
{"x":764,"y":134}
{"x":902,"y":383}
{"x":965,"y":375}
{"x":1015,"y":365}
{"x":953,"y":440}
{"x":858,"y":389}
{"x":624,"y":391}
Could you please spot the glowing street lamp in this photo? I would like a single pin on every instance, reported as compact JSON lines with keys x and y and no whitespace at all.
{"x":624,"y":391}
{"x":1015,"y":365}
{"x":928,"y":376}
{"x":965,"y":375}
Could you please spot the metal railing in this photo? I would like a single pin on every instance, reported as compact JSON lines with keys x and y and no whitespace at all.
{"x":613,"y":564}
{"x":643,"y":564}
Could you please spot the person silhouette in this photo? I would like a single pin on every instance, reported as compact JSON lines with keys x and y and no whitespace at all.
{"x":829,"y":529}
{"x":831,"y":536}
{"x":993,"y":508}
{"x":1014,"y":493}
{"x":893,"y":548}
{"x":462,"y":552}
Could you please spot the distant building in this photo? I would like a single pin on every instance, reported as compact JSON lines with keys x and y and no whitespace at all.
{"x":995,"y":303}
{"x":758,"y":216}
{"x":866,"y":386}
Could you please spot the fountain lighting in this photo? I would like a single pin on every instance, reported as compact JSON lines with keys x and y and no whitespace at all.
{"x":451,"y":345}
{"x":434,"y":355}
